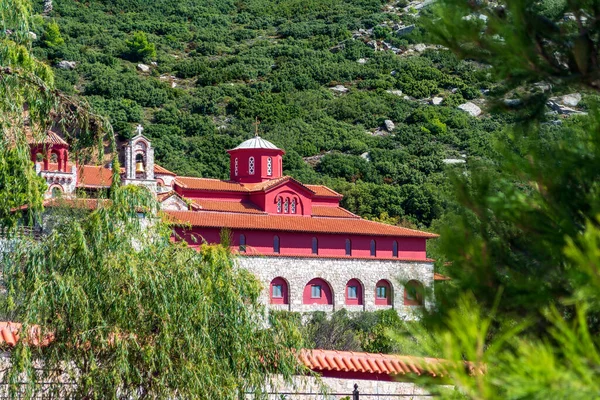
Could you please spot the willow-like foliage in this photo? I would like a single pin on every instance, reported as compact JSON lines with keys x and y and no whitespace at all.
{"x":135,"y":315}
{"x":29,"y":106}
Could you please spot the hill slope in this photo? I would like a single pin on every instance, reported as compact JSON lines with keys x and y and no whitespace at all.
{"x":220,"y":64}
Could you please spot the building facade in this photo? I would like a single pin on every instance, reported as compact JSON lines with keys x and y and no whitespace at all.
{"x":309,"y":253}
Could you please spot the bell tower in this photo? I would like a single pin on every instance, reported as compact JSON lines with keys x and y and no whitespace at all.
{"x":139,"y":161}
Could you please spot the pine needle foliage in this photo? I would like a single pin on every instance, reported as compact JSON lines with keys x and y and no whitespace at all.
{"x":523,"y":241}
{"x":136,"y":316}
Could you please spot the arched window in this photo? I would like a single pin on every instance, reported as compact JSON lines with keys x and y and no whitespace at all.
{"x":383,"y":293}
{"x":373,"y":248}
{"x":276,"y":244}
{"x":279,"y":204}
{"x":413,"y":293}
{"x":348,"y":247}
{"x":286,"y":205}
{"x":317,"y":291}
{"x":236,"y":166}
{"x":251,"y":165}
{"x":354,"y":293}
{"x":279,"y":291}
{"x":242,"y":243}
{"x":293,"y":206}
{"x":315,"y":245}
{"x":269,"y":166}
{"x":56,"y":192}
{"x":54,"y":158}
{"x":395,"y":249}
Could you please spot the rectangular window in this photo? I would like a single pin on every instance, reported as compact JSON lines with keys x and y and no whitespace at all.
{"x":315,"y":292}
{"x":381,"y":292}
{"x":352,"y":292}
{"x":277,"y":291}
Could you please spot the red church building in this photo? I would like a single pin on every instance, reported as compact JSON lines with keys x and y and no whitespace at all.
{"x":309,"y":252}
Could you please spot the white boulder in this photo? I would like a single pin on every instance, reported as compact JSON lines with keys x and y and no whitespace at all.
{"x":471,"y":108}
{"x":66,"y":64}
{"x":339,"y":89}
{"x":143,"y":67}
{"x":389,"y":125}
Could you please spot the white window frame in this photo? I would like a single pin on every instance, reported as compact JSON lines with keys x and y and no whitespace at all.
{"x":279,"y":205}
{"x":251,"y":165}
{"x":293,"y":206}
{"x":286,"y":205}
{"x":382,"y":289}
{"x":269,"y":166}
{"x":236,"y":166}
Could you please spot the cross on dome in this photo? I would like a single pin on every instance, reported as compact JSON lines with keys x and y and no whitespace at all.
{"x":256,"y":127}
{"x":139,"y":129}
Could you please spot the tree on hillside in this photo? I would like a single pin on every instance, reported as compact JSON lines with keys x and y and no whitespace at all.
{"x":523,"y":242}
{"x":139,"y":48}
{"x":130,"y":313}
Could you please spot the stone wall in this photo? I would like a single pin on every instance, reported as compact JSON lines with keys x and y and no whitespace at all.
{"x":298,"y":271}
{"x":309,"y":388}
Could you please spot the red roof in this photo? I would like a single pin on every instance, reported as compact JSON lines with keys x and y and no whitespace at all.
{"x":10,"y":333}
{"x":92,"y":176}
{"x":325,"y":211}
{"x":440,"y":277}
{"x":162,"y":171}
{"x":324,"y":191}
{"x":349,"y":361}
{"x":228,"y":206}
{"x":357,"y":226}
{"x":50,"y":138}
{"x":218,"y":185}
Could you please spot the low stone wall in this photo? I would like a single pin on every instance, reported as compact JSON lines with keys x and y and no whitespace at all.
{"x":309,"y":388}
{"x":298,"y":271}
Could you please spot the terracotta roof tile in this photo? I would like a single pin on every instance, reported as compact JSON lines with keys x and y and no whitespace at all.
{"x":292,"y":224}
{"x":440,"y":277}
{"x":10,"y":333}
{"x":51,"y":138}
{"x":324,"y":191}
{"x":92,"y":176}
{"x":162,"y":171}
{"x":339,"y":212}
{"x":210,"y":184}
{"x":349,"y":361}
{"x":228,"y":206}
{"x":186,"y":182}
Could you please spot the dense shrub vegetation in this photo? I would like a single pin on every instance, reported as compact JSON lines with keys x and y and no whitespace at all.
{"x":216,"y":66}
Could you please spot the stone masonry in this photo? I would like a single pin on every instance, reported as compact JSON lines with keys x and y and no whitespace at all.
{"x":298,"y":271}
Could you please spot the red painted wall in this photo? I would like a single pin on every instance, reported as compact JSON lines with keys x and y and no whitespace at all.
{"x":284,"y":291}
{"x":326,"y":292}
{"x":290,"y":190}
{"x":260,"y":164}
{"x":390,"y":295}
{"x":332,"y":245}
{"x":359,"y":293}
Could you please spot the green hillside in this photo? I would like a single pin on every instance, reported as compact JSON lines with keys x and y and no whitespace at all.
{"x":215,"y":66}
